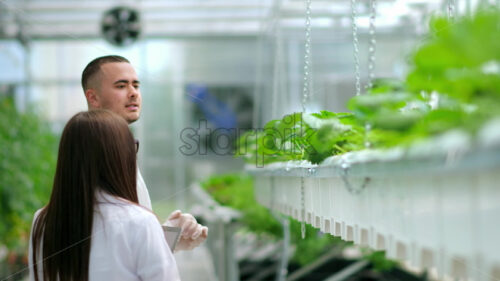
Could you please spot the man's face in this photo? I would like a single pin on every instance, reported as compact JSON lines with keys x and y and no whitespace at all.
{"x":117,"y":89}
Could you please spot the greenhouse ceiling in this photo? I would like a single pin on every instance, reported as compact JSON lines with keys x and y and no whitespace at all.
{"x":57,"y":19}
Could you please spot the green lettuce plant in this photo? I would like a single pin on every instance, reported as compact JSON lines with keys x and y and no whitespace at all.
{"x":236,"y":191}
{"x":28,"y":152}
{"x":454,"y":83}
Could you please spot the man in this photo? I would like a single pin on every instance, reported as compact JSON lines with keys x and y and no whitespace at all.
{"x":110,"y":82}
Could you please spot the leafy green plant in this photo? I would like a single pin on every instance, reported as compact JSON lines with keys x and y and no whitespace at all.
{"x":279,"y":140}
{"x":378,"y":260}
{"x":300,"y":136}
{"x":454,"y":83}
{"x":461,"y":62}
{"x":236,"y":191}
{"x":460,"y":59}
{"x":27,"y":164}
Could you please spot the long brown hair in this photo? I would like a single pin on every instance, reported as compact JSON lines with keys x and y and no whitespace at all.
{"x":96,"y":152}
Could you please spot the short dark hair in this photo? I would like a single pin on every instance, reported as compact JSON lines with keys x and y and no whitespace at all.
{"x":94,"y":66}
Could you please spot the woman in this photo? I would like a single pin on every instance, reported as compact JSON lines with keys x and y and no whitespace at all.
{"x":93,"y":228}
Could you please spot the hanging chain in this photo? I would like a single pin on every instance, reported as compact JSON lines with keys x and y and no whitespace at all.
{"x":371,"y":61}
{"x":371,"y":54}
{"x":305,"y":96}
{"x":356,"y":49}
{"x":303,"y":207}
{"x":368,"y":128}
{"x":372,"y":44}
{"x":307,"y":57}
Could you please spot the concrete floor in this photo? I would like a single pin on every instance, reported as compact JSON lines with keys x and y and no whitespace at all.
{"x":196,"y":265}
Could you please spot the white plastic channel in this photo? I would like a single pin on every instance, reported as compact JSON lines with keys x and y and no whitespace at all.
{"x":447,"y":221}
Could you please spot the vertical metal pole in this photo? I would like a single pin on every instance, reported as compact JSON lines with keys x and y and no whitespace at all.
{"x":28,"y":78}
{"x":282,"y":272}
{"x":276,"y":61}
{"x":283,"y":268}
{"x":293,"y":53}
{"x":178,"y":113}
{"x":258,"y":88}
{"x":230,"y":261}
{"x":28,"y":75}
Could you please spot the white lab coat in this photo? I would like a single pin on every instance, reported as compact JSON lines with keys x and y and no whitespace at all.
{"x":127,"y":244}
{"x":142,"y":192}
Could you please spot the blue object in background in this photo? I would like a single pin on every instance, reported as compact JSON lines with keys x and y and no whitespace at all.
{"x":215,"y":111}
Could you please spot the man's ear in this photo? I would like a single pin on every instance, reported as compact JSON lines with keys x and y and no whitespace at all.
{"x":92,"y":98}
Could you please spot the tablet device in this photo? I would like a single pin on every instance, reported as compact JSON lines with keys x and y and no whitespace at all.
{"x":172,"y":235}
